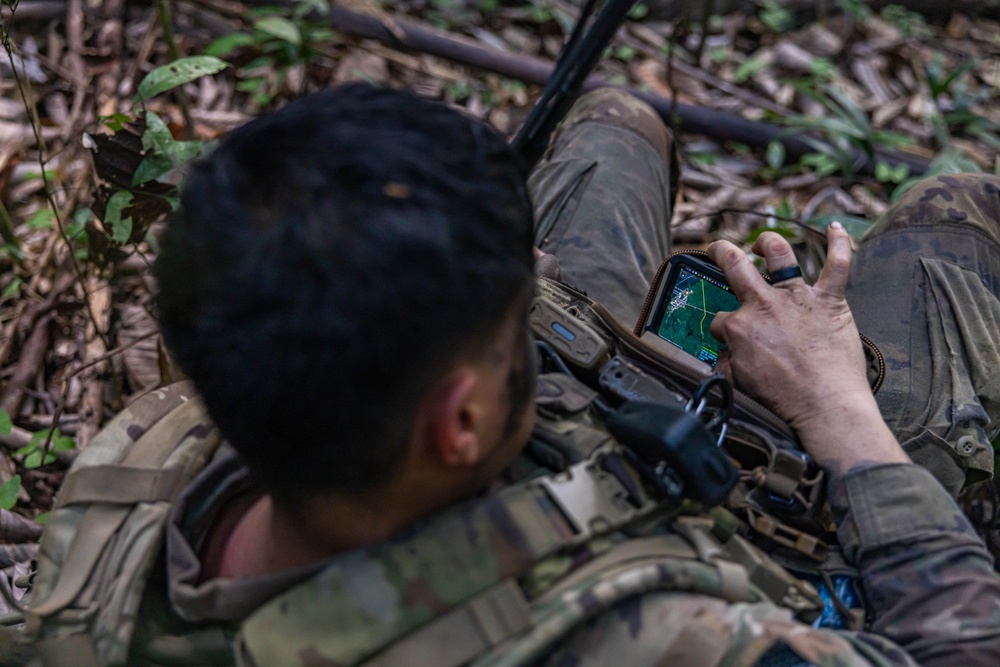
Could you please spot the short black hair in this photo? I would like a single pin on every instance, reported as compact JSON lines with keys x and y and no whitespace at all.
{"x":329,"y":262}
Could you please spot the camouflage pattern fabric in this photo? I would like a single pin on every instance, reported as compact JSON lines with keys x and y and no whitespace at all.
{"x":376,"y":595}
{"x":603,"y":196}
{"x":604,"y":192}
{"x":106,"y":531}
{"x":932,"y":597}
{"x":924,"y":288}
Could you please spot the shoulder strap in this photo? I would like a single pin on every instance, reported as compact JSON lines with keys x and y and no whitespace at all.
{"x":106,"y":529}
{"x":377,"y":595}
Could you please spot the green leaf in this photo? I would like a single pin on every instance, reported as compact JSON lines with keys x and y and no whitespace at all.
{"x":226,"y":44}
{"x":625,"y":53}
{"x":13,"y":289}
{"x":180,"y":152}
{"x":121,"y":228}
{"x":304,"y":7}
{"x":77,"y":226}
{"x":748,"y":68}
{"x":638,"y":11}
{"x":856,"y":226}
{"x":177,"y":73}
{"x":63,"y":443}
{"x":43,"y":518}
{"x":151,"y":169}
{"x":157,"y":135}
{"x":775,"y":155}
{"x":281,"y":28}
{"x":115,"y":121}
{"x":5,"y":423}
{"x":11,"y":249}
{"x":41,"y":219}
{"x":9,"y":491}
{"x":33,"y":460}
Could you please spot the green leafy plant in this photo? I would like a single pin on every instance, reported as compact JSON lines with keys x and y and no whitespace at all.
{"x":280,"y":38}
{"x":886,"y":173}
{"x":9,"y":491}
{"x":41,"y":449}
{"x":12,"y":290}
{"x":540,"y":11}
{"x":748,"y":68}
{"x":910,"y":23}
{"x":638,"y":12}
{"x":127,"y":206}
{"x":955,"y":100}
{"x":172,"y":75}
{"x":948,"y":161}
{"x":776,"y":17}
{"x":838,"y":136}
{"x":624,"y":53}
{"x":856,"y":9}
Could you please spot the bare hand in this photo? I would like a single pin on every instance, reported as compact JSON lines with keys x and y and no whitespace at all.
{"x":796,"y":348}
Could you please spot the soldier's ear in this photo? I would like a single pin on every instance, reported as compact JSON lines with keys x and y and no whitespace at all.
{"x":455,"y":415}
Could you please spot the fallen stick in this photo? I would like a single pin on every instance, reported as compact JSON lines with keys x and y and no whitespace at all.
{"x":32,"y":357}
{"x":92,"y":402}
{"x":721,"y":125}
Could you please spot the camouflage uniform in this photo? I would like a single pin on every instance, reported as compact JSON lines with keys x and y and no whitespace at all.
{"x":601,"y":193}
{"x":605,"y":191}
{"x":924,"y":286}
{"x":924,"y":283}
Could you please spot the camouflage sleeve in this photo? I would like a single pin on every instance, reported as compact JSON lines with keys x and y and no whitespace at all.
{"x":927,"y":578}
{"x":688,"y":629}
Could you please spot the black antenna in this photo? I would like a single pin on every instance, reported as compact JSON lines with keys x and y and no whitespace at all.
{"x":576,"y":60}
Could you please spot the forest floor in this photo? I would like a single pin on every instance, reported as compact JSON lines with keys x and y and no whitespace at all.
{"x":78,"y":337}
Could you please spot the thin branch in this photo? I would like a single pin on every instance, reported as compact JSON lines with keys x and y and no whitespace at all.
{"x":183,"y":99}
{"x":747,"y":211}
{"x":61,"y":406}
{"x":36,"y":124}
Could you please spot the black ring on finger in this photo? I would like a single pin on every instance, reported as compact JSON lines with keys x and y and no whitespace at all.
{"x":781,"y":275}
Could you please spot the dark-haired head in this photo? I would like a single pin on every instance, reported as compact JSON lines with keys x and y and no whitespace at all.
{"x":332,"y":261}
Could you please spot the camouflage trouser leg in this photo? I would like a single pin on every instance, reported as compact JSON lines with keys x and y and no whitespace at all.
{"x":603,"y":196}
{"x":924,"y":287}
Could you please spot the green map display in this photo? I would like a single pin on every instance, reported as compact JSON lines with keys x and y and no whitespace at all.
{"x":695,"y":300}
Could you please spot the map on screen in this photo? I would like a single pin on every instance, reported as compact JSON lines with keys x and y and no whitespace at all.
{"x":695,"y":300}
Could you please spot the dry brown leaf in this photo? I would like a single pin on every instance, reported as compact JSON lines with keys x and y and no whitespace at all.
{"x":138,"y":332}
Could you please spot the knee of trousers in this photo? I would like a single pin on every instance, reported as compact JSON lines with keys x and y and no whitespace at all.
{"x":962,"y":200}
{"x":613,"y":106}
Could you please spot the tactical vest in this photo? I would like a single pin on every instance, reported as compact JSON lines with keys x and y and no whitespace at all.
{"x":106,"y":529}
{"x":484,"y":583}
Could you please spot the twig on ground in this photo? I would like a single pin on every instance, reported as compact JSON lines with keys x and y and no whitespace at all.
{"x":747,"y":211}
{"x":92,"y":403}
{"x":32,"y":357}
{"x":15,"y":529}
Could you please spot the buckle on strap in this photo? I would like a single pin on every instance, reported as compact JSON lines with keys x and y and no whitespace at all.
{"x":593,"y":499}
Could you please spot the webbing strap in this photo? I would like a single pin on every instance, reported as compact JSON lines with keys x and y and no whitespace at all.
{"x":463,"y":633}
{"x":526,"y":524}
{"x":100,"y":522}
{"x":72,"y":651}
{"x":642,"y":549}
{"x":96,"y":527}
{"x":120,"y":485}
{"x":735,"y":580}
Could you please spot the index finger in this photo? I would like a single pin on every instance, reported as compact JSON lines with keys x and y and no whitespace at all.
{"x":741,"y":274}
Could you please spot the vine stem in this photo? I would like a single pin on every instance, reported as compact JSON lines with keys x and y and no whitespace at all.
{"x":167,"y":25}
